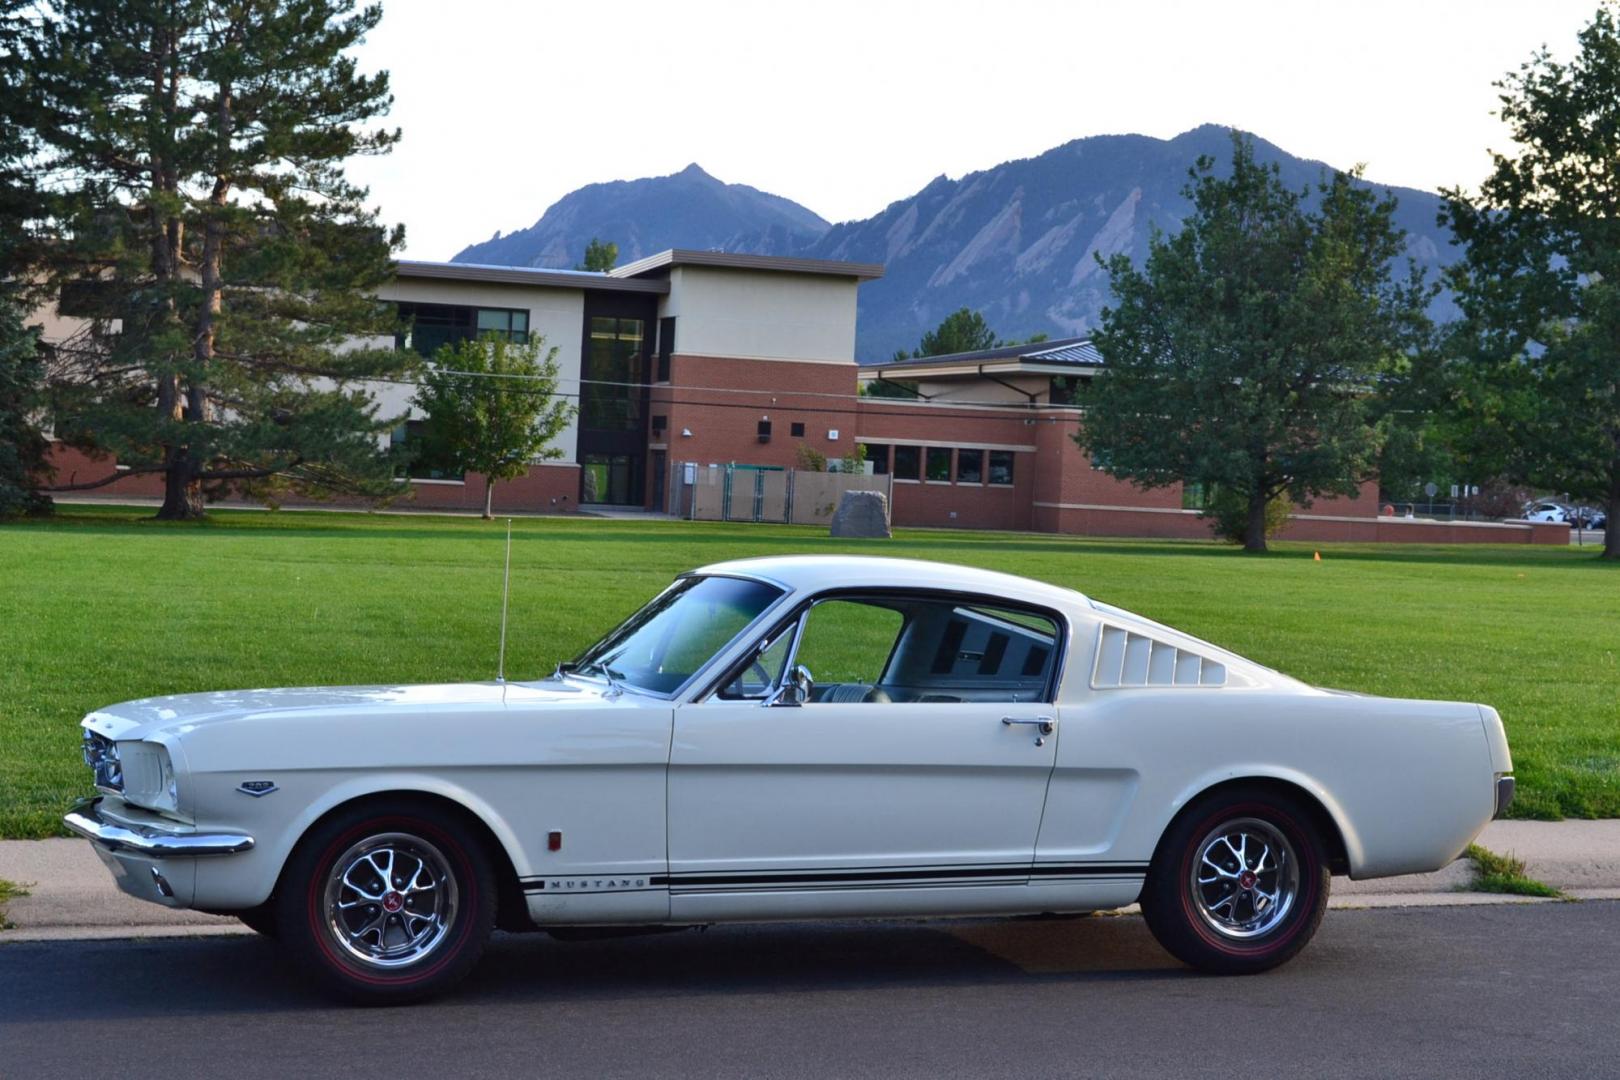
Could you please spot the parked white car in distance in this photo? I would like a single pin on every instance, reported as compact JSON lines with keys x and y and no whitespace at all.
{"x":790,"y":738}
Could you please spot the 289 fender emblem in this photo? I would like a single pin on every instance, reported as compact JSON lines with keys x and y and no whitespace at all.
{"x":257,"y":788}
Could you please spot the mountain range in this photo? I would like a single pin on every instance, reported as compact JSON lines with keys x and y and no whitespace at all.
{"x":1017,"y":242}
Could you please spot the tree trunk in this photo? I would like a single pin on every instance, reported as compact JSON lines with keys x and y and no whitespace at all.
{"x":1254,"y":535}
{"x":182,"y":490}
{"x":1611,"y":531}
{"x":489,"y":500}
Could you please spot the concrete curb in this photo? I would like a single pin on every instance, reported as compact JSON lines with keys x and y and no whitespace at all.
{"x":72,"y":897}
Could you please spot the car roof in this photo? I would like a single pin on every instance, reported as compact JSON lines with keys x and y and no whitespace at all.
{"x":813,"y":573}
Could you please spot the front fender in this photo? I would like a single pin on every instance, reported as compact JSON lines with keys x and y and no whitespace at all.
{"x":247,"y":880}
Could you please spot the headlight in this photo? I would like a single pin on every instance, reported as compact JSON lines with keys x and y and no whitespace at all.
{"x":101,"y":754}
{"x":149,"y":778}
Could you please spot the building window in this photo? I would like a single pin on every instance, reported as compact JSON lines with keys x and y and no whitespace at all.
{"x":430,"y":326}
{"x":1194,"y":495}
{"x":659,"y":423}
{"x":89,"y":299}
{"x":1001,"y":466}
{"x":796,"y":429}
{"x":970,"y":466}
{"x":764,"y":431}
{"x":666,"y":346}
{"x":907,"y":459}
{"x":608,"y":478}
{"x":507,"y":322}
{"x":939,"y":464}
{"x":1065,"y":390}
{"x":410,"y":439}
{"x":878,"y":455}
{"x":615,"y":368}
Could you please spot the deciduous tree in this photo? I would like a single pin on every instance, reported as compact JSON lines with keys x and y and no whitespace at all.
{"x":600,"y":256}
{"x":1539,"y":364}
{"x":492,"y":408}
{"x":1244,"y":354}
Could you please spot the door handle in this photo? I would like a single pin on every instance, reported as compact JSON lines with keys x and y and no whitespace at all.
{"x":1043,"y":724}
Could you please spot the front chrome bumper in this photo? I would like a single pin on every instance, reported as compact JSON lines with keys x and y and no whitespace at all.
{"x":86,"y":820}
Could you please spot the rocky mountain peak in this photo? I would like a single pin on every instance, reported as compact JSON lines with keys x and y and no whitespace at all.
{"x":1018,"y":242}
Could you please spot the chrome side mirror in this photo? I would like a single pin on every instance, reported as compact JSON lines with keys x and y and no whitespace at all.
{"x":796,"y":688}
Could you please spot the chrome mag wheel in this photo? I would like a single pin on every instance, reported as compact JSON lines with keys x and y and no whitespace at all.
{"x":390,"y":900}
{"x":1244,"y":879}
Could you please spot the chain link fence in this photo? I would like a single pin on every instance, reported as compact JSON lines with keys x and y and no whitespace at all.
{"x":764,"y":493}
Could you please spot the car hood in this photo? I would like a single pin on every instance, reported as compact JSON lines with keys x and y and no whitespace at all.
{"x":176,"y":714}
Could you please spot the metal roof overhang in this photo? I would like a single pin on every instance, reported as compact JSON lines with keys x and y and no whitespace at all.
{"x":524,"y":275}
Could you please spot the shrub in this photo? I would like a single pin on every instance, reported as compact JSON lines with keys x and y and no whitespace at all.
{"x":811,"y":459}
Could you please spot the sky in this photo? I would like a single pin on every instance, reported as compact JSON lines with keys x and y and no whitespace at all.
{"x":846,"y":107}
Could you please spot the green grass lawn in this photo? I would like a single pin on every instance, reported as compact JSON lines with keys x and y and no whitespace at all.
{"x":103,"y":604}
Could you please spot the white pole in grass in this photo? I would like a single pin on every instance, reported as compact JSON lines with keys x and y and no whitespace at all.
{"x":506,"y":592}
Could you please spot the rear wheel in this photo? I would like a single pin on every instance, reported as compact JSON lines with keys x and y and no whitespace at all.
{"x":388,"y":903}
{"x":1239,"y":884}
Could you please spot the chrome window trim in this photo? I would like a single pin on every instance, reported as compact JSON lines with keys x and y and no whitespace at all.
{"x":722,"y":654}
{"x":1060,"y":622}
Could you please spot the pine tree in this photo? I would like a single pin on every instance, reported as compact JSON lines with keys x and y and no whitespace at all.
{"x":206,"y":228}
{"x":963,"y":330}
{"x":23,"y":447}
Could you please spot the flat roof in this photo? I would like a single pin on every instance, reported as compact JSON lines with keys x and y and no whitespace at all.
{"x":526,"y":275}
{"x":1065,"y":354}
{"x":731,"y":260}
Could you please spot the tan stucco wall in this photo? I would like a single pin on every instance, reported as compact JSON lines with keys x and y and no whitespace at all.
{"x":759,"y":315}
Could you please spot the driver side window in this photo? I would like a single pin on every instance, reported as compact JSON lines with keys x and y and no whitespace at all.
{"x":920,"y":648}
{"x":846,"y":646}
{"x":926,"y":649}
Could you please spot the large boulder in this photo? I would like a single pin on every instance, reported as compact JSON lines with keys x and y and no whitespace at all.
{"x":862,"y":514}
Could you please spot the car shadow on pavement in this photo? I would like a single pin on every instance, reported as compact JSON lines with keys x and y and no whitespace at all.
{"x":235,"y":975}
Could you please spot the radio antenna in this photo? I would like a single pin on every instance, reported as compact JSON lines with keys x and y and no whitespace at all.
{"x":506,"y":593}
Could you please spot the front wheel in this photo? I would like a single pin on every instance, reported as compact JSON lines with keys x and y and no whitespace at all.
{"x":388,"y":903}
{"x":1239,"y":883}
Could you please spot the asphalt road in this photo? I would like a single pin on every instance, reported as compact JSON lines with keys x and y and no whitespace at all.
{"x":1521,"y":991}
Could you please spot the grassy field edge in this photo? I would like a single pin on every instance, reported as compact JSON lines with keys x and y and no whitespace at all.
{"x":104,"y":604}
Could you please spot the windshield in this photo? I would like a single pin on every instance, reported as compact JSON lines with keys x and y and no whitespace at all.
{"x":664,"y":644}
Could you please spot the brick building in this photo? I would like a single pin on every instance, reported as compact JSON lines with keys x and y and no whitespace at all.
{"x":714,"y":358}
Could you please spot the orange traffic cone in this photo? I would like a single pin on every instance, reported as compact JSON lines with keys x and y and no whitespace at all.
{"x":1318,"y":557}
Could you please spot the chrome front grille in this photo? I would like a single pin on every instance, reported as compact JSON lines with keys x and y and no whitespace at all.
{"x":101,"y":754}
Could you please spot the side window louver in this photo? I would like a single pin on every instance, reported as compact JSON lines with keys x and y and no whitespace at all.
{"x":1127,"y":659}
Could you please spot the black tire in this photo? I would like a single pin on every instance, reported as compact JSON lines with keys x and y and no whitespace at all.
{"x":1253,"y":934}
{"x":261,"y":920}
{"x":450,"y":893}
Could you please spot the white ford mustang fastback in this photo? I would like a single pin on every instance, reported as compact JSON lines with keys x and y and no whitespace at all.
{"x":791,"y":738}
